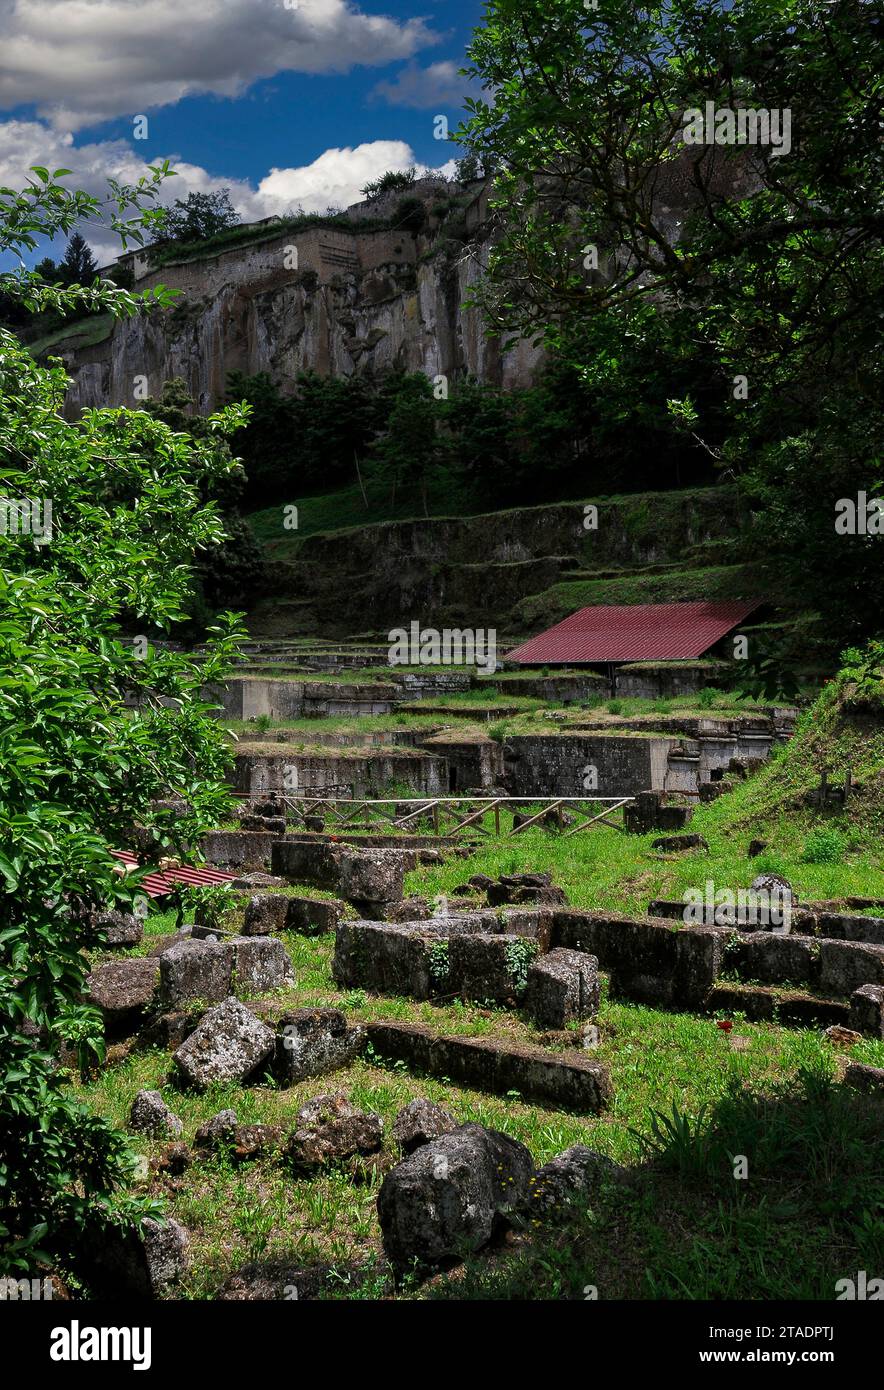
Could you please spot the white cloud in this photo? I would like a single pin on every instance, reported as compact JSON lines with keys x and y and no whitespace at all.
{"x":83,"y":61}
{"x":334,"y":178}
{"x":436,"y":87}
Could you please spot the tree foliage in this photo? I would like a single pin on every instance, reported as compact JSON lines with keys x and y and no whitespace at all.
{"x":78,"y":266}
{"x":392,"y":179}
{"x":232,"y":573}
{"x":757,"y":271}
{"x":79,"y":765}
{"x":200,"y":215}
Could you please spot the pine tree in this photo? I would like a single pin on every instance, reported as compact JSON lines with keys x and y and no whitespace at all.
{"x":78,"y":266}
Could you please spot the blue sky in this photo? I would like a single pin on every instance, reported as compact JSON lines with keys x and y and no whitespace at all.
{"x":290,"y":118}
{"x":287,"y":102}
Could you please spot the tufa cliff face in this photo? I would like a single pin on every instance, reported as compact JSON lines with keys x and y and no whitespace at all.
{"x":323,"y":298}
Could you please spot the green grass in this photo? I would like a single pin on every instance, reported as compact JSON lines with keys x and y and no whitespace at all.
{"x":678,"y":585}
{"x":605,"y":868}
{"x":342,"y":510}
{"x":669,"y":1235}
{"x":339,"y":724}
{"x":686,"y":1101}
{"x":84,"y":332}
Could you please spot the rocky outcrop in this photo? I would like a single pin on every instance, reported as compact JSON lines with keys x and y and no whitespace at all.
{"x":361,"y":297}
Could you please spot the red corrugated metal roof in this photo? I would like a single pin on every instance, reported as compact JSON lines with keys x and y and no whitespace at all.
{"x":634,"y":632}
{"x":164,"y":881}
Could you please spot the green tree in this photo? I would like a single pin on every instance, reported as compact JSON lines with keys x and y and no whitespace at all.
{"x":764,"y":263}
{"x":393,"y":178}
{"x":78,"y":265}
{"x":199,"y":216}
{"x":408,"y":453}
{"x":478,"y":427}
{"x":78,"y":765}
{"x":230,"y":574}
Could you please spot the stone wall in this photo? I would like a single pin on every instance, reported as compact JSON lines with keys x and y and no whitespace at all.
{"x":555,"y":764}
{"x":652,"y":961}
{"x":472,"y":762}
{"x":665,"y":681}
{"x":250,"y":697}
{"x":259,"y":769}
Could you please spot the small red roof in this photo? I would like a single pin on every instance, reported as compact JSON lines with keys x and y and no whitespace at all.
{"x":634,"y":632}
{"x":156,"y":885}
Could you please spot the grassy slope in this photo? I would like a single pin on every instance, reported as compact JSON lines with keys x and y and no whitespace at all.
{"x":809,"y":1211}
{"x":673,"y":1231}
{"x":80,"y":334}
{"x":604,"y":868}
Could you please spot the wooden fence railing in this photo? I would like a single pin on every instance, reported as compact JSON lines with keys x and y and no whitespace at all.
{"x":450,"y":815}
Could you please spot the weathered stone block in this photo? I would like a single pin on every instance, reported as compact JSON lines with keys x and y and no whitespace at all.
{"x":151,"y":1115}
{"x":329,"y":1130}
{"x":864,"y":1078}
{"x":218,"y":1130}
{"x":575,"y":1176}
{"x":562,"y":986}
{"x":488,"y":967}
{"x":846,"y":965}
{"x":568,"y":1081}
{"x":123,"y":1264}
{"x":265,"y":913}
{"x":760,"y":1002}
{"x":384,"y":959}
{"x":448,"y":1196}
{"x":420,"y":1121}
{"x":196,"y":970}
{"x":774,"y":959}
{"x":849,"y":927}
{"x":867,"y":1010}
{"x":168,"y":1030}
{"x":675,"y":844}
{"x":122,"y":990}
{"x":373,"y":876}
{"x":361,"y":876}
{"x":261,"y":964}
{"x":120,"y":928}
{"x":313,"y":916}
{"x":314,"y":1042}
{"x":228,"y":1044}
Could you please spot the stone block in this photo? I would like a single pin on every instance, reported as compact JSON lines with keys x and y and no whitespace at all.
{"x":122,"y":990}
{"x":313,"y":916}
{"x":563,"y":986}
{"x":448,"y":1196}
{"x":314,"y":1042}
{"x":383,"y":959}
{"x":576,"y":1176}
{"x":120,"y":928}
{"x":196,"y":970}
{"x":261,"y":964}
{"x":151,"y":1115}
{"x":228,"y":1044}
{"x":867,"y":1010}
{"x":844,"y":966}
{"x":329,"y":1130}
{"x":567,"y":1081}
{"x":865,"y":1078}
{"x":774,"y":959}
{"x":490,"y":968}
{"x":419,"y":1122}
{"x":265,"y":913}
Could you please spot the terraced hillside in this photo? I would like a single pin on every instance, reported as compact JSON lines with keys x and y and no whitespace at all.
{"x":514,"y":570}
